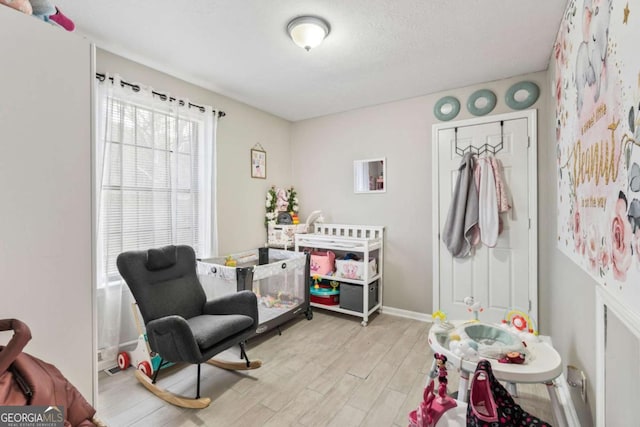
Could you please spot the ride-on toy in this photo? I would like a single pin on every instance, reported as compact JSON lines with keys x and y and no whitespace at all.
{"x":141,"y":357}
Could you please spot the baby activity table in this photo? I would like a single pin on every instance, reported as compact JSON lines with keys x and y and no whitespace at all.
{"x":542,"y":363}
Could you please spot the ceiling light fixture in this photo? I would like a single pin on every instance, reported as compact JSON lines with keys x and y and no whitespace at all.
{"x":308,"y":31}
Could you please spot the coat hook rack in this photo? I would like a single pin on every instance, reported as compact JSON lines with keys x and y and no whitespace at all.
{"x":484,"y":148}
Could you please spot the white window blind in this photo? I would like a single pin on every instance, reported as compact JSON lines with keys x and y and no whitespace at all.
{"x":150,"y":192}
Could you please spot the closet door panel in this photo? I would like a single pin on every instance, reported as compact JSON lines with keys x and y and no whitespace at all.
{"x":501,"y":271}
{"x":497,"y":277}
{"x":462,"y":276}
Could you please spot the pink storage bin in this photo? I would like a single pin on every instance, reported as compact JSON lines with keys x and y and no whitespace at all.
{"x":322,"y":263}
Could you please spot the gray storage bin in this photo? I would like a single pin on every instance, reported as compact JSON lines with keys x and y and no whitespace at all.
{"x":351,"y":296}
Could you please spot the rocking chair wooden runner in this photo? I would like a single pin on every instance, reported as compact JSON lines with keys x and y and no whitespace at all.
{"x":182,"y":326}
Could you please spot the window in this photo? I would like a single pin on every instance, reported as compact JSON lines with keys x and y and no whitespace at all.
{"x":154,"y":185}
{"x":150,"y":186}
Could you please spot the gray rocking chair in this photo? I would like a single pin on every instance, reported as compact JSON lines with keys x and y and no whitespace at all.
{"x":182,"y":326}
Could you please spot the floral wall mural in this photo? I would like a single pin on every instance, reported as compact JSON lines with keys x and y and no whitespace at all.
{"x":597,"y":88}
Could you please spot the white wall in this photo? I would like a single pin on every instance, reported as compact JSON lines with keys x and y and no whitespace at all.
{"x":45,"y":191}
{"x":323,"y":153}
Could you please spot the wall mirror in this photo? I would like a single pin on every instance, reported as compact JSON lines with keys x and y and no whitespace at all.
{"x":370,"y":176}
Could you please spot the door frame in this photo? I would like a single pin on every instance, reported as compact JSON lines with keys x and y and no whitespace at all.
{"x":531,"y":116}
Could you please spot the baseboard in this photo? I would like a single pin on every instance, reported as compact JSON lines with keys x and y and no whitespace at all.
{"x":105,"y":364}
{"x":406,"y":313}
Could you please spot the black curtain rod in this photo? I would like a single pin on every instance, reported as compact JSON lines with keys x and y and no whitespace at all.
{"x":162,"y":96}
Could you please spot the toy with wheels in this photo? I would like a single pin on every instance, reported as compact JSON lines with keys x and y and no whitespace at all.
{"x":141,"y":357}
{"x":145,"y":360}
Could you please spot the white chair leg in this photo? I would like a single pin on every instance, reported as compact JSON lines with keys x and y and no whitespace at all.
{"x":555,"y":405}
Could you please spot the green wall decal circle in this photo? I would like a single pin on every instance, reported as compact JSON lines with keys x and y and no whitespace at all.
{"x":517,"y":102}
{"x":446,"y":108}
{"x":482,"y":96}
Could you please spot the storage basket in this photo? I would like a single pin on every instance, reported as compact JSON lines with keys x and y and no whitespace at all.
{"x":352,"y":269}
{"x":322,"y":263}
{"x":283,"y":235}
{"x":352,"y":296}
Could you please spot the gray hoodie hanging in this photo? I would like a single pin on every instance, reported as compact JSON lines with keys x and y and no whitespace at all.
{"x":463,"y":211}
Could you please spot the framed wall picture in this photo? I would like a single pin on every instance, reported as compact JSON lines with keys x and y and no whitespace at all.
{"x":258,"y":163}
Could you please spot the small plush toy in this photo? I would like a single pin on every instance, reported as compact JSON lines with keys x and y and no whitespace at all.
{"x":281,"y":200}
{"x":46,"y":11}
{"x":465,"y":349}
{"x":473,"y":307}
{"x":42,"y":9}
{"x":22,"y":5}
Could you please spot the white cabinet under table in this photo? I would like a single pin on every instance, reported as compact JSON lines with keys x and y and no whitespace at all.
{"x":364,"y":240}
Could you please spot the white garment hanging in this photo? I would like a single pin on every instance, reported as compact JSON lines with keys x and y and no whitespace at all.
{"x":488,"y":219}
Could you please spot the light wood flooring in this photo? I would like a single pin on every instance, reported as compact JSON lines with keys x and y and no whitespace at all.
{"x":329,"y":371}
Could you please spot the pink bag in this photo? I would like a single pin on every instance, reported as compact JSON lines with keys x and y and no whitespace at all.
{"x":322,"y":263}
{"x":491,"y":404}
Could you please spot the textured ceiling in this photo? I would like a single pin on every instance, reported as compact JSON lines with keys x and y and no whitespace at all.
{"x":378,"y":50}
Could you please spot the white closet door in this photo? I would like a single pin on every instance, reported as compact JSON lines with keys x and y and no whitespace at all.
{"x":499,"y":277}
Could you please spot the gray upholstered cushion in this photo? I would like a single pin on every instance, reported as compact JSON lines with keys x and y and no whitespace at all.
{"x":208,"y":329}
{"x":178,"y":296}
{"x":174,"y":290}
{"x":165,"y":257}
